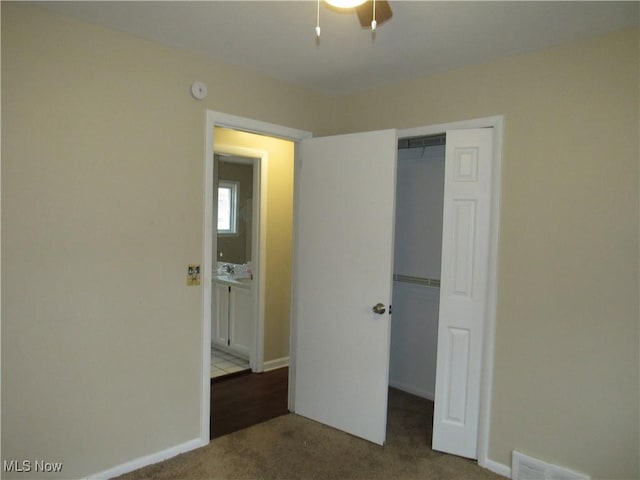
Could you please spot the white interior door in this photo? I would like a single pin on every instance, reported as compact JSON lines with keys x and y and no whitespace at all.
{"x":343,"y":267}
{"x":463,"y":289}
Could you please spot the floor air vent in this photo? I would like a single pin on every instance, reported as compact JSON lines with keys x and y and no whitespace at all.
{"x":528,"y":468}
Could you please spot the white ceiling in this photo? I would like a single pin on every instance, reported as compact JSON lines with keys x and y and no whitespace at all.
{"x":277,"y":38}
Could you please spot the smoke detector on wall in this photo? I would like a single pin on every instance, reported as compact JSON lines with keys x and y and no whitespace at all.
{"x":198,"y":90}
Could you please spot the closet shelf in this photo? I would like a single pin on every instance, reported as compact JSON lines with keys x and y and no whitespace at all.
{"x":428,"y":282}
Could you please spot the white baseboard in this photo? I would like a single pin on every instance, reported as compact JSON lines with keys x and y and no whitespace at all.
{"x":148,"y":460}
{"x":496,"y":467}
{"x":412,"y":390}
{"x":275,"y":364}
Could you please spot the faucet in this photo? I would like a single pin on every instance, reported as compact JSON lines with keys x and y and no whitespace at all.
{"x":228,"y":268}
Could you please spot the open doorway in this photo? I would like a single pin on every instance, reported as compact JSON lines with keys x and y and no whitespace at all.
{"x":452,"y":313}
{"x":417,"y":259}
{"x":352,"y":274}
{"x":236,"y":208}
{"x":416,"y":289}
{"x":251,"y":276}
{"x":465,"y":171}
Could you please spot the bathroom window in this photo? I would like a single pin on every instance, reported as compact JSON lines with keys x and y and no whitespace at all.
{"x":227,"y":207}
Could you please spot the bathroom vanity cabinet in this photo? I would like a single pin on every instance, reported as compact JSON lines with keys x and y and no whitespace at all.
{"x":232,"y":319}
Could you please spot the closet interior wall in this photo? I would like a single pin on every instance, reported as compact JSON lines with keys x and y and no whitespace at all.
{"x":418,"y":245}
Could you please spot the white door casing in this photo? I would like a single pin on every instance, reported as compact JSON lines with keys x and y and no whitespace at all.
{"x":466,"y":250}
{"x":343,"y":266}
{"x":220,"y":119}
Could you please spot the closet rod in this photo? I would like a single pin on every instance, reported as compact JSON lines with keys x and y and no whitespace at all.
{"x":425,"y":141}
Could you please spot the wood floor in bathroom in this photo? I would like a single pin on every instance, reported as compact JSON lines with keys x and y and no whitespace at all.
{"x":240,"y":401}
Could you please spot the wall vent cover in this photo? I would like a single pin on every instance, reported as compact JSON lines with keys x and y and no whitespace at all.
{"x":528,"y":468}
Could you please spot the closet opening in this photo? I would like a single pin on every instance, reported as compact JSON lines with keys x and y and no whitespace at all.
{"x":416,"y":279}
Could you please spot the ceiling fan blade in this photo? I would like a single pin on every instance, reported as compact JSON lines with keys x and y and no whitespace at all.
{"x":365,"y":12}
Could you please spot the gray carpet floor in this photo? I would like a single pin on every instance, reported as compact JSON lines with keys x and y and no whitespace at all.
{"x":293,"y":447}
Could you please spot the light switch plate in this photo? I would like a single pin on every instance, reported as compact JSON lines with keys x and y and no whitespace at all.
{"x":193,"y":275}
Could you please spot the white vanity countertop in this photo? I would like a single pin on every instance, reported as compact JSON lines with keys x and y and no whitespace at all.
{"x":230,"y":280}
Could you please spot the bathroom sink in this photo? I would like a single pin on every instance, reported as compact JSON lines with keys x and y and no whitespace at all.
{"x":246,"y":281}
{"x":232,"y":280}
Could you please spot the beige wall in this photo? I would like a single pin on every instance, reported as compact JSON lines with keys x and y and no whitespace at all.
{"x":102,"y":164}
{"x":567,"y":337}
{"x":279,"y":215}
{"x":102,"y":177}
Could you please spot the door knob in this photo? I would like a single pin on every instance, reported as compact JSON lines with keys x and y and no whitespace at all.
{"x":379,"y":308}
